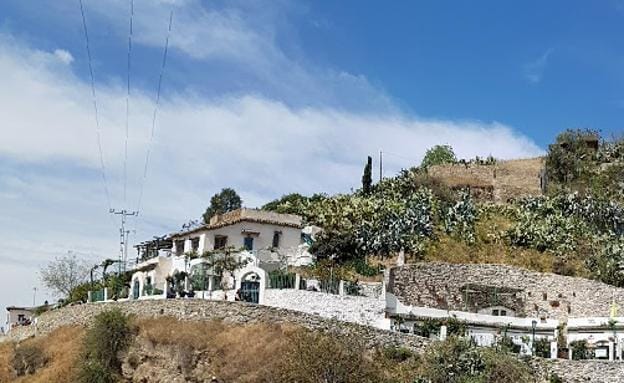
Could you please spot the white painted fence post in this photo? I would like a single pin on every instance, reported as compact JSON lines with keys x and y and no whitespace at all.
{"x":89,"y":300}
{"x":443,"y":331}
{"x":341,"y":288}
{"x":611,"y":344}
{"x":297,"y":281}
{"x":105,"y":294}
{"x":553,"y":349}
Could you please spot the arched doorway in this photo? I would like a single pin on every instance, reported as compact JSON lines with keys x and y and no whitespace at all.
{"x":250,"y":288}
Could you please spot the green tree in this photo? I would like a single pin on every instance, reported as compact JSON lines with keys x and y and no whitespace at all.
{"x":224,"y":262}
{"x":293,"y":203}
{"x":224,"y":201}
{"x":438,"y":155}
{"x":64,"y":274}
{"x":367,"y":177}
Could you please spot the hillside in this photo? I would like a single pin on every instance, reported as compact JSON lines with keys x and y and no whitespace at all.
{"x":562,"y":213}
{"x":165,"y":349}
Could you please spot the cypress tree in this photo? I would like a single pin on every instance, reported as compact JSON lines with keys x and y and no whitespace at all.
{"x":367,"y":177}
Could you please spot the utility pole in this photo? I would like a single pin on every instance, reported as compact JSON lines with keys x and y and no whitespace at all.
{"x":34,"y":295}
{"x":123,"y":236}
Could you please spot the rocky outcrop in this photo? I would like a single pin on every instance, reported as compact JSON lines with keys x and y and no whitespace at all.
{"x":500,"y":182}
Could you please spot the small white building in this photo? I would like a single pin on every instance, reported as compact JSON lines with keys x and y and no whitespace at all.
{"x":486,"y":328}
{"x":18,"y":316}
{"x":266,"y":241}
{"x":603,"y":336}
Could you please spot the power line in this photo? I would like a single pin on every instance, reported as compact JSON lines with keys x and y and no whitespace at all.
{"x":95,"y":107}
{"x":401,"y":156}
{"x":125,"y":186}
{"x":151,"y":141}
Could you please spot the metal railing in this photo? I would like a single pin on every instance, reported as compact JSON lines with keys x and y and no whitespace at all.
{"x":282,"y":280}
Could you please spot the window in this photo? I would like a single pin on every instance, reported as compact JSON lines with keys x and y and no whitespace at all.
{"x":179,"y":245}
{"x":195,"y":244}
{"x":220,"y":242}
{"x":503,"y":313}
{"x":248,"y":243}
{"x":276,"y":238}
{"x":21,"y":318}
{"x":495,"y":312}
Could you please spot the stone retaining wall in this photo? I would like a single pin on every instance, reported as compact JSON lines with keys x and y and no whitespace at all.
{"x":229,"y":312}
{"x":500,"y":181}
{"x":581,"y":371}
{"x":442,"y":285}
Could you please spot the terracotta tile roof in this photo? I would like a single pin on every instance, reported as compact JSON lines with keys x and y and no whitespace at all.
{"x":246,"y":215}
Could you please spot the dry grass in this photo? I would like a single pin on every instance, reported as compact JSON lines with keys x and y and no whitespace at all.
{"x":62,"y":349}
{"x":449,"y":250}
{"x":6,"y":356}
{"x":263,"y":353}
{"x":236,"y":353}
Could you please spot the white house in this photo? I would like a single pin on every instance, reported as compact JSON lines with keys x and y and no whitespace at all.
{"x":18,"y":316}
{"x":267,"y":241}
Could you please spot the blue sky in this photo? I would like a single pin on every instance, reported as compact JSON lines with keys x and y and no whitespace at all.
{"x":270,"y":98}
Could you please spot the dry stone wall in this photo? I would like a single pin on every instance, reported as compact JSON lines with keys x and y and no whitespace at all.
{"x":579,"y":371}
{"x":499,"y":182}
{"x":443,"y":285}
{"x":229,"y":312}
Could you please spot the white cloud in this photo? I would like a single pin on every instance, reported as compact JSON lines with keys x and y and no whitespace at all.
{"x":51,"y":194}
{"x":199,"y":32}
{"x":534,"y":71}
{"x":242,"y":37}
{"x":64,"y":56}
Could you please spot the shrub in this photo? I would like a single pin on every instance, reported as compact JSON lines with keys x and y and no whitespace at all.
{"x":542,"y":348}
{"x":506,"y":344}
{"x":317,"y":358}
{"x":453,"y":360}
{"x":457,"y":361}
{"x":110,"y":334}
{"x":570,"y":158}
{"x":363,"y":268}
{"x":93,"y":371}
{"x":505,"y":368}
{"x":398,"y":354}
{"x":580,"y":350}
{"x":27,"y":359}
